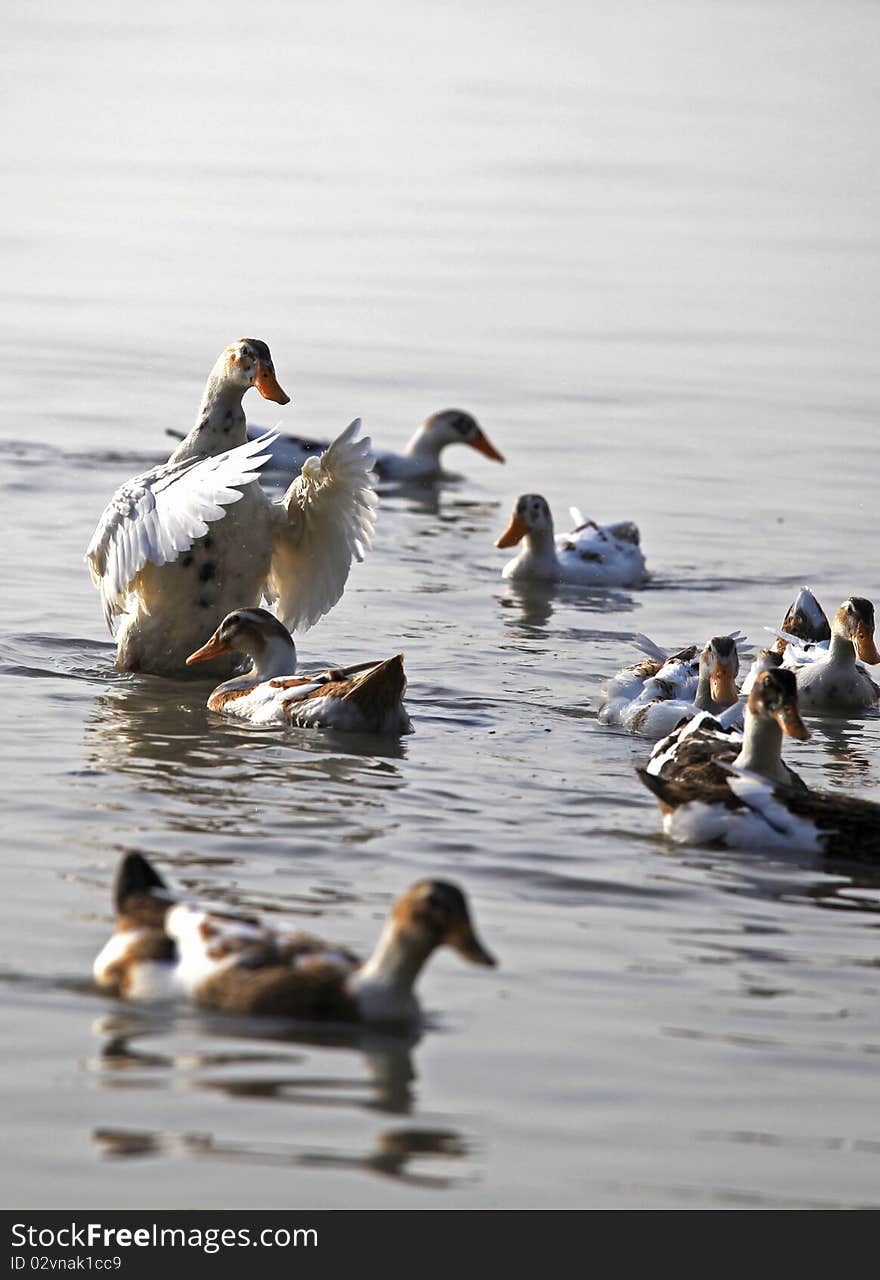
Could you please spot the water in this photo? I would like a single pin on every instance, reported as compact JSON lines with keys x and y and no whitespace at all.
{"x":640,"y":243}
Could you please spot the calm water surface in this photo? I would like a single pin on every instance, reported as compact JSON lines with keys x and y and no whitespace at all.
{"x":640,"y":242}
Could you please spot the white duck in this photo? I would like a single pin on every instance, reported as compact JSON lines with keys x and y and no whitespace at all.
{"x":591,"y":555}
{"x":181,"y":545}
{"x":163,"y":949}
{"x":829,"y":679}
{"x":367,"y":698}
{"x":651,"y":697}
{"x":420,"y":460}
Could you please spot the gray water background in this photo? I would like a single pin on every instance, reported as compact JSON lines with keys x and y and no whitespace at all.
{"x":640,"y":242}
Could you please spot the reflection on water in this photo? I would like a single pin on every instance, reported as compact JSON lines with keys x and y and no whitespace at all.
{"x":533,"y":603}
{"x":283,"y":1074}
{"x":384,"y":1084}
{"x":611,"y":240}
{"x":393,"y":1153}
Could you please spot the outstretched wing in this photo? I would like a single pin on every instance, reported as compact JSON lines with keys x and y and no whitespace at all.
{"x":160,"y":514}
{"x":328,"y":517}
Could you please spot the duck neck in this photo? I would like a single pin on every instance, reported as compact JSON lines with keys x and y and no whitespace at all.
{"x":539,"y":551}
{"x":424,"y":444}
{"x":395,"y":964}
{"x":703,"y":697}
{"x":762,"y":748}
{"x":841,"y":650}
{"x":220,"y":423}
{"x":277,"y":659}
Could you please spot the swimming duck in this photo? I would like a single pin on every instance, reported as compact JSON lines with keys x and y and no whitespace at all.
{"x":420,"y":460}
{"x":591,"y":555}
{"x":710,"y":792}
{"x":829,"y":679}
{"x":653,"y":696}
{"x":181,"y":545}
{"x":164,"y":949}
{"x":366,"y":698}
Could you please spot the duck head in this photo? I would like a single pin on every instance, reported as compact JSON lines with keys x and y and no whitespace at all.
{"x":248,"y":363}
{"x":434,"y":913}
{"x":530,"y":518}
{"x":854,"y":621}
{"x":721,"y":663}
{"x":805,"y":619}
{"x":452,"y":426}
{"x":774,"y":697}
{"x":257,"y":633}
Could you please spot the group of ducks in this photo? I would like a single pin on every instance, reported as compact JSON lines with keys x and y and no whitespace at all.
{"x":193,"y":548}
{"x":717,"y":770}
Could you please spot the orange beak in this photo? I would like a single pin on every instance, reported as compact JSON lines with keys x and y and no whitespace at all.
{"x":483,"y":444}
{"x":789,"y":720}
{"x":212,"y":649}
{"x":514,"y":533}
{"x":267,"y":385}
{"x":865,"y":646}
{"x":722,"y":685}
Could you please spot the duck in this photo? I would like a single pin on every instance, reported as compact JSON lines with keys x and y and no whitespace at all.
{"x":164,"y":948}
{"x":830,"y":681}
{"x":420,"y":460}
{"x":715,"y":785}
{"x":591,"y":555}
{"x":182,"y":544}
{"x":652,"y":697}
{"x":805,"y":619}
{"x":367,"y":698}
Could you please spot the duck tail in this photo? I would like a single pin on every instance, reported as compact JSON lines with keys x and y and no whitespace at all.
{"x":660,"y":787}
{"x":134,"y":876}
{"x":380,"y":689}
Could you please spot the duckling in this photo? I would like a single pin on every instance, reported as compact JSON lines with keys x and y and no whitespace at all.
{"x":591,"y":555}
{"x":829,"y":679}
{"x":181,"y":545}
{"x":653,"y":696}
{"x":367,"y":698}
{"x":420,"y":460}
{"x":165,"y":949}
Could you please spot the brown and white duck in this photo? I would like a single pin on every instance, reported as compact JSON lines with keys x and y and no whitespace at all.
{"x":181,"y":545}
{"x":366,"y":698}
{"x":652,"y":697}
{"x":716,"y":786}
{"x":164,"y":949}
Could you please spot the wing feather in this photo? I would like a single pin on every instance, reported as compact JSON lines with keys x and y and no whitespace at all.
{"x":159,"y":514}
{"x":328,"y":517}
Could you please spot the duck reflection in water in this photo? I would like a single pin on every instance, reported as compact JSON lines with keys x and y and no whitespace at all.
{"x":386,"y":1085}
{"x":393,"y":1152}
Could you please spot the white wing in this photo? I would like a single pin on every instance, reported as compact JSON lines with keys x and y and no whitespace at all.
{"x":328,"y":518}
{"x":160,"y":514}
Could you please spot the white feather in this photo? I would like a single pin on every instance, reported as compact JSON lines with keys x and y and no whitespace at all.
{"x":159,"y":514}
{"x":327,"y":519}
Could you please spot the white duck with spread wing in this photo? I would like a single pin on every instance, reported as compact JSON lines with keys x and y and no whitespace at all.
{"x":591,"y":555}
{"x":183,"y":544}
